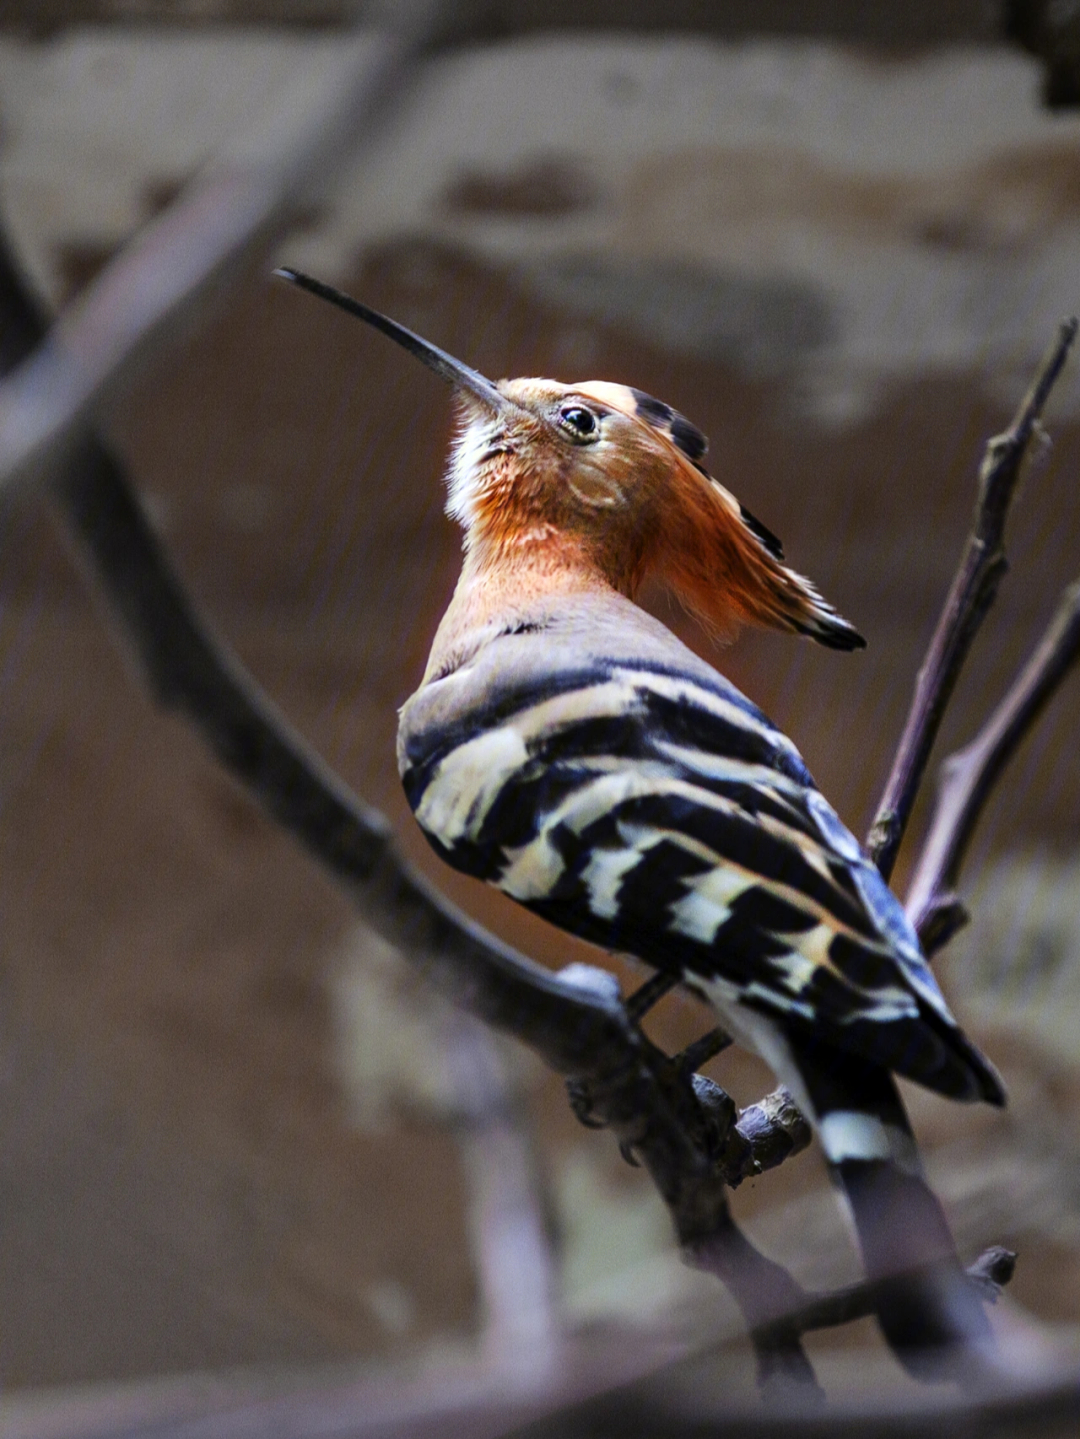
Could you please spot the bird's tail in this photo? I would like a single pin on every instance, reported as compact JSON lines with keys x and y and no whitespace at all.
{"x":930,"y":1311}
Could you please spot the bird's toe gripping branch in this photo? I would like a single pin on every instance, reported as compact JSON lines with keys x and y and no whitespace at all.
{"x":731,"y":1144}
{"x":696,"y":1144}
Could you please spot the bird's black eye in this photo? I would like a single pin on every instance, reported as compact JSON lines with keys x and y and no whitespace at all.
{"x":579,"y":422}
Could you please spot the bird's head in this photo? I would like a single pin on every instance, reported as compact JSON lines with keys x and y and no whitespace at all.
{"x":607,"y":477}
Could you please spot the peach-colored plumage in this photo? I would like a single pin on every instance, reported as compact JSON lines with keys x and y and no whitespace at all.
{"x":544,"y":505}
{"x":568,"y":487}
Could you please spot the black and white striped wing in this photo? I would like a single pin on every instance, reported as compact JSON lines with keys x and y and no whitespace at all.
{"x":654,"y":814}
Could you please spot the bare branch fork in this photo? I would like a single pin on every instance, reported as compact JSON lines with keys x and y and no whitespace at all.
{"x":974,"y":589}
{"x":683,"y":1128}
{"x":968,"y":776}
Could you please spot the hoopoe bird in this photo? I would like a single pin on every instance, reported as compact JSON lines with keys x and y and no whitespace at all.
{"x":567,"y":748}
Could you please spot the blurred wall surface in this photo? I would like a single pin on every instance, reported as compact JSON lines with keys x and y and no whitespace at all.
{"x":841,"y":260}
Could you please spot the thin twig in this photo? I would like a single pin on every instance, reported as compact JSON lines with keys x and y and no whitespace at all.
{"x":990,"y":1272}
{"x":973,"y":590}
{"x":702,"y":1050}
{"x":969,"y":776}
{"x":650,"y":994}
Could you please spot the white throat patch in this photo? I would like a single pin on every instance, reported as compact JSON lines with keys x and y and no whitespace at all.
{"x":463,"y":482}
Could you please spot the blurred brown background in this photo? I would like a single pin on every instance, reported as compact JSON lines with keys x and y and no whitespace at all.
{"x":838,"y":244}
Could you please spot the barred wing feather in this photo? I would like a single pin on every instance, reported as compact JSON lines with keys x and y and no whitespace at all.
{"x":649,"y":812}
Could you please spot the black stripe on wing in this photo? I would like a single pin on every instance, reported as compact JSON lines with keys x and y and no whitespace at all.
{"x":745,"y":842}
{"x":855,"y":1012}
{"x":426,"y":749}
{"x":923,"y":1048}
{"x":569,"y":758}
{"x":681,"y":722}
{"x":760,"y":800}
{"x":858,"y":998}
{"x":744,"y":733}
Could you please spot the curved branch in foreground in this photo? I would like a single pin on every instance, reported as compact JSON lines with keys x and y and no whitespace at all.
{"x":573,"y":1029}
{"x":670,"y":1116}
{"x":973,"y":591}
{"x":190,"y":671}
{"x":577,"y":1028}
{"x":969,"y":775}
{"x":231,"y":212}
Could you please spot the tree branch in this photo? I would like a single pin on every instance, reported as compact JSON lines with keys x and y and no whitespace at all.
{"x":974,"y":588}
{"x":228,"y":215}
{"x":684,"y":1127}
{"x":990,"y":1272}
{"x":968,"y":777}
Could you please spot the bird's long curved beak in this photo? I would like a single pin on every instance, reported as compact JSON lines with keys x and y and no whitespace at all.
{"x":451,"y":370}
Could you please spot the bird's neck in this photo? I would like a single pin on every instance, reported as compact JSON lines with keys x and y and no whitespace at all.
{"x":499,"y":590}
